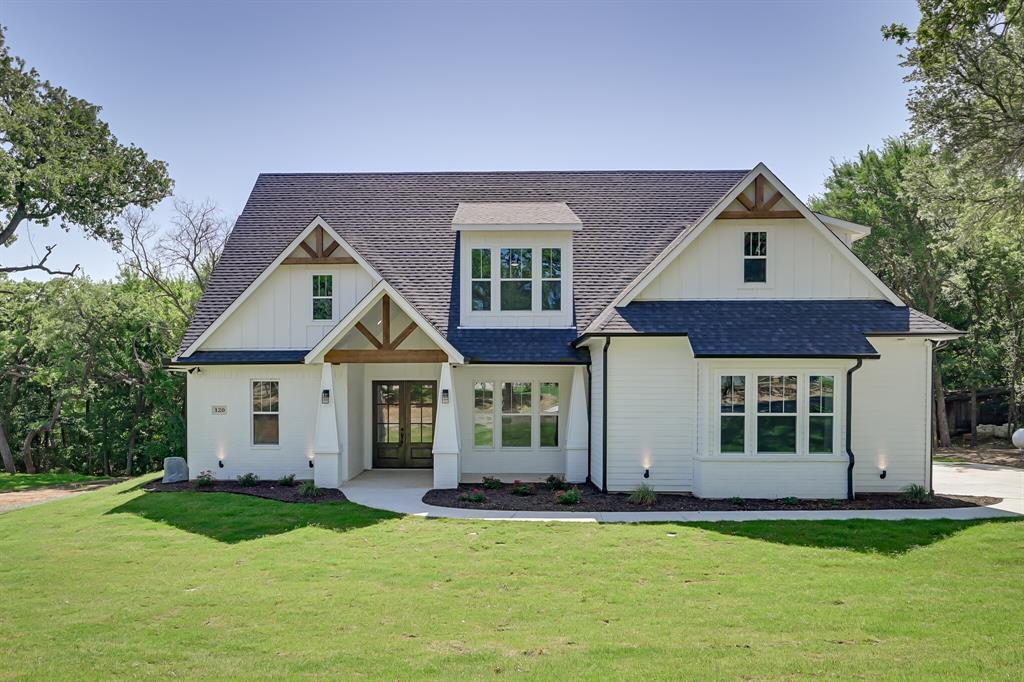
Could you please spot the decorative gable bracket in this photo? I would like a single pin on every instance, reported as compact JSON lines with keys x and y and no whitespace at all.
{"x":759,"y":207}
{"x":319,"y":252}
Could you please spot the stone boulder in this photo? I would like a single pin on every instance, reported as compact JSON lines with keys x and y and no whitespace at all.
{"x":175,"y":469}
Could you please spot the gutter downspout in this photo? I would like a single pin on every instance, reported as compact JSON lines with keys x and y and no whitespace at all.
{"x":604,"y":415}
{"x":590,"y":415}
{"x":849,"y":426}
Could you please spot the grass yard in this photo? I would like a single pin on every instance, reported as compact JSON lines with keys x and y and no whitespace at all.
{"x":15,"y":482}
{"x":130,"y":584}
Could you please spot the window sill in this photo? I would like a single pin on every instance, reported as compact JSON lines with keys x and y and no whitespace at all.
{"x":772,"y":458}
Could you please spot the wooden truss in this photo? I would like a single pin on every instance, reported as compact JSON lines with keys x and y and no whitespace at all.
{"x":385,"y":349}
{"x":318,"y":254}
{"x":759,"y":207}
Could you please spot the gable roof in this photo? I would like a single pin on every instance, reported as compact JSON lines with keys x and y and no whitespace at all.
{"x":400,"y":223}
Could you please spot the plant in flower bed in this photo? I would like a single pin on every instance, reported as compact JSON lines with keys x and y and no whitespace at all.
{"x":287,"y":481}
{"x":643,"y":495}
{"x":474,"y":495}
{"x":309,"y":489}
{"x":248,"y":480}
{"x":522,"y":489}
{"x":571,"y":496}
{"x":205,"y":479}
{"x":492,"y":483}
{"x":556,"y":482}
{"x":917,"y":493}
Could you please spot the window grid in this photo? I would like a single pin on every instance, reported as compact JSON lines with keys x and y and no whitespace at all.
{"x":755,"y":257}
{"x":323,"y":297}
{"x":266,"y":408}
{"x":516,"y":279}
{"x":480,"y":279}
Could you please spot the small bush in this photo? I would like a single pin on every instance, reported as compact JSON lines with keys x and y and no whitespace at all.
{"x":287,"y":481}
{"x":556,"y":482}
{"x":309,"y":489}
{"x":474,"y":495}
{"x":205,"y":479}
{"x":522,"y":489}
{"x":248,"y":480}
{"x":917,"y":493}
{"x":643,"y":495}
{"x":790,"y":501}
{"x":492,"y":483}
{"x":571,"y":496}
{"x":738,"y":501}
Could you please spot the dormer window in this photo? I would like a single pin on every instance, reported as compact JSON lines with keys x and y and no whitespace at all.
{"x":755,"y":257}
{"x":481,"y":283}
{"x":516,"y":279}
{"x":551,"y":279}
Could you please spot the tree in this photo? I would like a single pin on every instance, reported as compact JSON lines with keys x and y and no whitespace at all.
{"x":909,"y":253}
{"x":60,"y":162}
{"x":967,"y":65}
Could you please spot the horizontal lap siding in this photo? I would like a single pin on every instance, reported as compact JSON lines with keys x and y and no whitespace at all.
{"x":891,"y":416}
{"x":596,"y":413}
{"x":652,"y":413}
{"x":767,"y":479}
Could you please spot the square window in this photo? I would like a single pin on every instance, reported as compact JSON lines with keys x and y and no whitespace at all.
{"x":481,"y":295}
{"x":755,"y":270}
{"x":551,"y":295}
{"x":516,"y":295}
{"x":516,"y":263}
{"x":776,"y":434}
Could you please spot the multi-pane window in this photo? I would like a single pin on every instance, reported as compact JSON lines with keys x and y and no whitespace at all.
{"x":481,"y":279}
{"x":516,"y":413}
{"x":732,"y":406}
{"x":323,"y":297}
{"x":483,"y":414}
{"x":549,"y":415}
{"x":776,"y":414}
{"x":387,"y":412}
{"x":755,"y":256}
{"x":821,"y":417}
{"x":266,"y":409}
{"x":421,"y":412}
{"x":551,"y":279}
{"x":516,"y":279}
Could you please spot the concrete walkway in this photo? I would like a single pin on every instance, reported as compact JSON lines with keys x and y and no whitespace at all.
{"x":402,"y":491}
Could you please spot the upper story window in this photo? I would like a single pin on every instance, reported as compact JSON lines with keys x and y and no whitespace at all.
{"x":755,"y":257}
{"x":323,"y":297}
{"x":551,"y":279}
{"x":481,"y":279}
{"x":516,"y":279}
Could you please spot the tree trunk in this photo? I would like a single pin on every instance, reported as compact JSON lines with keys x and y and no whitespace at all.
{"x":940,"y":407}
{"x":5,"y":451}
{"x":26,"y":446}
{"x":140,"y":406}
{"x":106,"y":447}
{"x":974,"y":417}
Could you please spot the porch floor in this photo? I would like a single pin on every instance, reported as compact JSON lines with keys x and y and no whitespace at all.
{"x":392,"y":478}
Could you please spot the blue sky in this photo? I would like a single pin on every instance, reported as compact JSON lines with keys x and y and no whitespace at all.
{"x":223,"y":91}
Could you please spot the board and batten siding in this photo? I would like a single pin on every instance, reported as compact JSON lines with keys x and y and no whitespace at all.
{"x":892,"y":416}
{"x":652,"y":412}
{"x":802,"y":264}
{"x":279,"y":313}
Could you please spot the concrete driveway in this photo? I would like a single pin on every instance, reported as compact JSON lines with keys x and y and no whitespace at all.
{"x":982,"y":479}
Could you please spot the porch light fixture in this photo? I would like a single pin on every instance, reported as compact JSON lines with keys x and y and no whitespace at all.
{"x":310,"y":462}
{"x":444,"y":396}
{"x":220,"y":463}
{"x":325,"y":396}
{"x":882,"y":475}
{"x":647,"y":472}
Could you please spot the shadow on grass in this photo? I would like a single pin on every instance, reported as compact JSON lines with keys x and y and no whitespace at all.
{"x":860,"y":535}
{"x":237,"y":518}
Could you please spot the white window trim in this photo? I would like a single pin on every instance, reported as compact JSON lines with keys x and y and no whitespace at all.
{"x":769,"y":280}
{"x":253,"y":413}
{"x":313,"y":298}
{"x":750,"y":414}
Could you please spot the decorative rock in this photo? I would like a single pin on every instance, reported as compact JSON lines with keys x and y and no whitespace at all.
{"x":175,"y":469}
{"x":1018,"y":438}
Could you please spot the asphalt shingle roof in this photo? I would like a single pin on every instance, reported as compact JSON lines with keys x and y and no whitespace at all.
{"x":766,"y":328}
{"x":401,"y":224}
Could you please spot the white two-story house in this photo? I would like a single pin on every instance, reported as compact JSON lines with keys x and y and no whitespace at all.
{"x":699,"y":331}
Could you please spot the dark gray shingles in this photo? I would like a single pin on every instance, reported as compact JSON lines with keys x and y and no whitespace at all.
{"x":401,"y":224}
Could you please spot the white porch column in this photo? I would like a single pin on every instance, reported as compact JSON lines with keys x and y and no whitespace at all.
{"x":446,"y":432}
{"x":325,"y":442}
{"x":577,"y":430}
{"x":340,"y":400}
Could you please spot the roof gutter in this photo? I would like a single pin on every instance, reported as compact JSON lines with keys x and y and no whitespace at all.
{"x":849,"y":427}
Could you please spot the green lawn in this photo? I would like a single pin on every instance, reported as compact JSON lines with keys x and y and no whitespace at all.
{"x":14,"y":482}
{"x":120,"y":583}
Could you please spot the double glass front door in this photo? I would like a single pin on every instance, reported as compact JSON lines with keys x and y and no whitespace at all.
{"x":403,"y":424}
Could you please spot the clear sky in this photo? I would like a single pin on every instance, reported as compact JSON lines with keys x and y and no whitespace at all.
{"x":223,"y":91}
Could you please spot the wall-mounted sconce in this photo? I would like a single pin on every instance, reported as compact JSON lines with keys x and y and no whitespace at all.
{"x":310,"y":462}
{"x":444,"y":396}
{"x":882,"y":475}
{"x":647,"y":472}
{"x":325,"y":397}
{"x":220,"y":463}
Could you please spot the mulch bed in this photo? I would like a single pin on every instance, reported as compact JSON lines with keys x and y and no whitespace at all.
{"x":269,"y":490}
{"x":594,"y":500}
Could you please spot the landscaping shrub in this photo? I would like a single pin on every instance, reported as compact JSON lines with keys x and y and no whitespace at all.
{"x":205,"y":479}
{"x":791,"y":501}
{"x":309,"y":489}
{"x":287,"y":481}
{"x":643,"y":495}
{"x":522,"y":489}
{"x":738,"y":501}
{"x":556,"y":482}
{"x":474,"y":495}
{"x":248,"y":480}
{"x":917,"y":493}
{"x":571,"y":496}
{"x":492,"y":483}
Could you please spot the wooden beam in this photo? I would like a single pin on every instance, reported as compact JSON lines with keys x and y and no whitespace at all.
{"x":308,"y":249}
{"x":402,"y":356}
{"x":747,"y":204}
{"x":320,"y":242}
{"x":403,"y":336}
{"x":386,"y":317}
{"x":369,"y":335}
{"x":759,"y":192}
{"x":330,"y":249}
{"x":740,"y":215}
{"x":329,"y":260}
{"x":771,"y":202}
